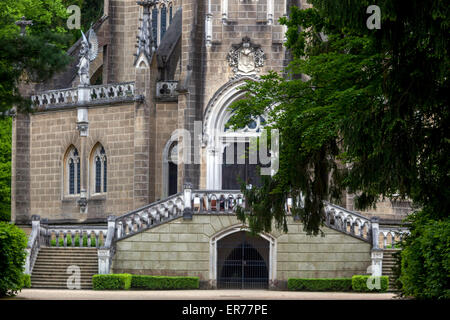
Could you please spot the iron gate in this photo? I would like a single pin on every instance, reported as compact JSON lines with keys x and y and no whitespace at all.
{"x":242,"y":262}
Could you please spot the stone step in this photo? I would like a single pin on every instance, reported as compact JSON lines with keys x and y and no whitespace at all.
{"x":44,"y":285}
{"x":48,"y":273}
{"x":67,"y":249}
{"x":63,"y":263}
{"x":67,"y":260}
{"x":63,"y":270}
{"x":68,"y":254}
{"x":56,"y":278}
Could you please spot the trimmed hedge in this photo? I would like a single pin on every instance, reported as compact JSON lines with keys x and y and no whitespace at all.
{"x":359,"y":283}
{"x":164,"y":282}
{"x":111,"y":281}
{"x":320,"y":284}
{"x":26,"y":280}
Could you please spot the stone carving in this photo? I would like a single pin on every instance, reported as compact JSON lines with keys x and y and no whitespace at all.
{"x":146,"y":45}
{"x":88,"y":53}
{"x":246,"y":58}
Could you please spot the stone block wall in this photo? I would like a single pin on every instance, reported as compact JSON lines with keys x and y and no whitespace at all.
{"x":182,"y":247}
{"x":50,"y":136}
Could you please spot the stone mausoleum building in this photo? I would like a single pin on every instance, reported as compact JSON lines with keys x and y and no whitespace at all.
{"x":150,"y":84}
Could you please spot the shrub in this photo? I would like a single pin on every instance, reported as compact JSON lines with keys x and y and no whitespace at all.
{"x":92,"y":241}
{"x":13,"y":243}
{"x":164,"y":282}
{"x":111,"y":281}
{"x":425,"y":259}
{"x":359,"y":283}
{"x":85,"y":241}
{"x":69,"y":240}
{"x":332,"y":284}
{"x":53,"y":242}
{"x":77,"y":240}
{"x":26,"y":280}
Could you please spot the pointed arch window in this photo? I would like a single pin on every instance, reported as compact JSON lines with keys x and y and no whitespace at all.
{"x":99,"y":172}
{"x":72,"y":171}
{"x":163,"y":21}
{"x":155,"y":23}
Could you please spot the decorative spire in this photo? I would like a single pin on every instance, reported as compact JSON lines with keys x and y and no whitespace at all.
{"x":23,"y":23}
{"x":145,"y":42}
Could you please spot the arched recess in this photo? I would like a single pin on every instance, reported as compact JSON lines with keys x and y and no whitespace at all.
{"x":71,"y":171}
{"x":170,"y":168}
{"x":98,"y":170}
{"x":223,"y":234}
{"x":216,"y":138}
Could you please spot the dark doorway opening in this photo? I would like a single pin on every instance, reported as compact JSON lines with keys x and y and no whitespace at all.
{"x":241,"y":162}
{"x":242,"y":262}
{"x":173,"y":177}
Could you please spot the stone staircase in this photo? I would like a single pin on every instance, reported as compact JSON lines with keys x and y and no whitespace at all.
{"x":51,"y":267}
{"x":388,"y":263}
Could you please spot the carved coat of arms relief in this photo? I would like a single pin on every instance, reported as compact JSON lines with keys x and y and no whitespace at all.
{"x":246,"y":58}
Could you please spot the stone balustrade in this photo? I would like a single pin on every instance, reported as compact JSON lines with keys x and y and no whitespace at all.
{"x":60,"y":97}
{"x":348,"y":222}
{"x":149,"y":216}
{"x":388,"y":237}
{"x":80,"y":236}
{"x":72,"y":97}
{"x":112,"y":91}
{"x":220,"y":201}
{"x":186,"y":204}
{"x":33,"y":244}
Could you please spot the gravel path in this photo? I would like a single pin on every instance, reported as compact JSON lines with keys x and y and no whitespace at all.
{"x":54,"y":294}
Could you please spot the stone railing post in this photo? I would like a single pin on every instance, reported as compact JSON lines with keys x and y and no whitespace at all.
{"x":106,"y":252}
{"x":33,"y":243}
{"x":375,"y":232}
{"x":187,"y":211}
{"x":377,"y":252}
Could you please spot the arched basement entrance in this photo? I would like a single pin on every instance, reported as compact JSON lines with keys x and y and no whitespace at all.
{"x":243,"y":262}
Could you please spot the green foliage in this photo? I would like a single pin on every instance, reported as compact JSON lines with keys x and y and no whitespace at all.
{"x":13,"y":242}
{"x":53,"y":242}
{"x":85,"y":241}
{"x":92,"y":241}
{"x":164,"y":282}
{"x":375,"y":99}
{"x":77,"y":240}
{"x":69,"y":240}
{"x":26,"y":281}
{"x":5,"y":169}
{"x":305,"y":284}
{"x":425,"y":259}
{"x":359,"y":283}
{"x":111,"y":281}
{"x":91,"y":11}
{"x":37,"y":55}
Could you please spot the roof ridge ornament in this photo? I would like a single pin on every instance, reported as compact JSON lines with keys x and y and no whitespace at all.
{"x":246,"y":58}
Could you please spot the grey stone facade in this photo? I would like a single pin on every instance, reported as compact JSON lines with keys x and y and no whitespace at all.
{"x":195,"y":77}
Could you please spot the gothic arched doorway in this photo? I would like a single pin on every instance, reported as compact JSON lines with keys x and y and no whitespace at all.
{"x":243,"y":262}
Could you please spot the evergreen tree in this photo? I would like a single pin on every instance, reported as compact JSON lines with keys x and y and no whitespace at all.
{"x":370,"y":113}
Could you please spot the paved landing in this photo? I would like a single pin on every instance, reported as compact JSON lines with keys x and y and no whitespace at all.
{"x":56,"y":294}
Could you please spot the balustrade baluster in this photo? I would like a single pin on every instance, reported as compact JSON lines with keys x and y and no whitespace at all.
{"x":97,"y":238}
{"x":88,"y":238}
{"x":64,"y":238}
